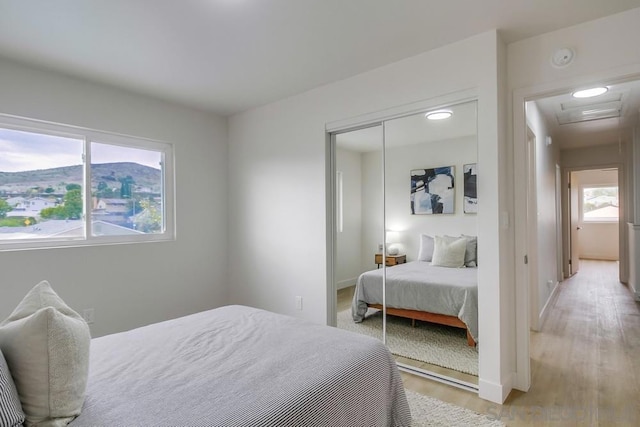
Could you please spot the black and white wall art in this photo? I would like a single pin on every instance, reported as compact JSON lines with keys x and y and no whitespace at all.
{"x":470,"y":188}
{"x":432,"y":191}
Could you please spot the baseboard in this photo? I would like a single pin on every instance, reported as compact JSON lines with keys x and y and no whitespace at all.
{"x":493,"y":392}
{"x":346,"y":283}
{"x":544,"y":313}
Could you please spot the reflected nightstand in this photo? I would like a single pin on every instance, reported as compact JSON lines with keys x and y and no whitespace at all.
{"x":391,"y":260}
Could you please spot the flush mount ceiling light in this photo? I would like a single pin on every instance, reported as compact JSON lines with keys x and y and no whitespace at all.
{"x":439,"y":115}
{"x":589,"y":93}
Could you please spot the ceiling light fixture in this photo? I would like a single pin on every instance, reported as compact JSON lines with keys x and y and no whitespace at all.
{"x":589,"y":93}
{"x":439,"y":115}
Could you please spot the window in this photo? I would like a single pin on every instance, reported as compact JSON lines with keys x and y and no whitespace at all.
{"x":62,"y":186}
{"x":600,"y":204}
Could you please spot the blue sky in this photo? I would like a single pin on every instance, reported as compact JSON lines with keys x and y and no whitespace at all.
{"x":21,"y":151}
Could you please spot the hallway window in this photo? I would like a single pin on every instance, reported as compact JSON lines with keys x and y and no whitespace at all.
{"x":600,"y":204}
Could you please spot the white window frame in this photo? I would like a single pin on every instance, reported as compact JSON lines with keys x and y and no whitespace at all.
{"x":598,"y":220}
{"x":88,"y":136}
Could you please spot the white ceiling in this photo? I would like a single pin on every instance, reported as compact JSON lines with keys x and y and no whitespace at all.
{"x":227,"y":56}
{"x":624,"y":97}
{"x":414,"y":129}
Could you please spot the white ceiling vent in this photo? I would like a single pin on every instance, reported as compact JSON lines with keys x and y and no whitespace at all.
{"x":575,"y":111}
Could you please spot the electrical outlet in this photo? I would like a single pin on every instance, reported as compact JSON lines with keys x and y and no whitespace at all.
{"x":88,"y":314}
{"x":299,"y":303}
{"x":550,"y":284}
{"x":380,"y":247}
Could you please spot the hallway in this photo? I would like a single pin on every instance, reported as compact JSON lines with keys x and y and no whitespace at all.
{"x":585,"y":362}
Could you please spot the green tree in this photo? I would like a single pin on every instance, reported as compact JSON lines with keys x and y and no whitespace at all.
{"x":70,"y":209}
{"x":4,"y":208}
{"x":71,"y":187}
{"x":150,"y":219}
{"x":73,"y":204}
{"x":125,"y":189}
{"x":49,"y":190}
{"x":104,"y":191}
{"x":57,"y":212}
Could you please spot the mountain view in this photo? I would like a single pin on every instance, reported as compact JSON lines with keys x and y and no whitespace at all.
{"x":58,"y":178}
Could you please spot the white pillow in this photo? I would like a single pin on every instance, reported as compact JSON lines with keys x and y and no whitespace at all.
{"x":449,"y":253}
{"x":46,"y":345}
{"x":11,"y":414}
{"x":426,"y":248}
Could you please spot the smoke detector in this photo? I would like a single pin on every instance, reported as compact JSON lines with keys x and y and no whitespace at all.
{"x":562,"y":57}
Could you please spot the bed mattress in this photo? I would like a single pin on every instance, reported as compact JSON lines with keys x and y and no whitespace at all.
{"x":240,"y":366}
{"x":418,"y":285}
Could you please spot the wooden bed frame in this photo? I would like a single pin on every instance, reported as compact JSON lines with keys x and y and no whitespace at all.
{"x":441,"y":319}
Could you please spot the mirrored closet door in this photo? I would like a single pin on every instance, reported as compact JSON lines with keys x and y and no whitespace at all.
{"x":415,"y":207}
{"x":430,"y":219}
{"x":359,"y":230}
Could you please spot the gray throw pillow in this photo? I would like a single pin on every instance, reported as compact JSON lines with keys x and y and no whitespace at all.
{"x":471,"y":255}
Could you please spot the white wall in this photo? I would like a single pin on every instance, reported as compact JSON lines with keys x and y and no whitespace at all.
{"x":599,"y":241}
{"x":633,"y":231}
{"x":547,"y":267}
{"x":282,"y":145}
{"x":349,"y":241}
{"x":399,"y":161}
{"x":372,"y":208}
{"x":136,"y":284}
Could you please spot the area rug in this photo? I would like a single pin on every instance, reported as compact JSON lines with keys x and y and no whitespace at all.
{"x":427,"y":342}
{"x":427,"y":411}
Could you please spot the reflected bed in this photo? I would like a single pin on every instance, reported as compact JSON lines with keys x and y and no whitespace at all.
{"x":421,"y":291}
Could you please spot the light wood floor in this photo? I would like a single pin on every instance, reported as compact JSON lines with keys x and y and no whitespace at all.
{"x":585,"y":361}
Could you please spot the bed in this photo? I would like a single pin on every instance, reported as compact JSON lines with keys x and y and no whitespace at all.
{"x":240,"y":366}
{"x":421,"y":291}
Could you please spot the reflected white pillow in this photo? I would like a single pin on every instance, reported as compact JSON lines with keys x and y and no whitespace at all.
{"x":426,"y":248}
{"x":449,"y":253}
{"x":46,"y":346}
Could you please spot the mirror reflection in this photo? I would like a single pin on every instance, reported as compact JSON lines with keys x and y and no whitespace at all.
{"x":431,"y":205}
{"x":412,"y":187}
{"x":360,"y":224}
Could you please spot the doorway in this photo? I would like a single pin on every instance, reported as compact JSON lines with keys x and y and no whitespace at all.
{"x":573,"y":135}
{"x":594,"y":207}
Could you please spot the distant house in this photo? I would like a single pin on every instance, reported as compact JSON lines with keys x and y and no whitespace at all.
{"x":111,"y":206}
{"x":31,"y":207}
{"x":603,"y":201}
{"x":15,"y":201}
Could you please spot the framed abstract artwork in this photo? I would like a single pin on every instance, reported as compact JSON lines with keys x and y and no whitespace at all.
{"x":433,"y":191}
{"x":470,"y":188}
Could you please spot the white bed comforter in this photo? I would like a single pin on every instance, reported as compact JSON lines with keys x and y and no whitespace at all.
{"x":240,"y":366}
{"x":420,"y":286}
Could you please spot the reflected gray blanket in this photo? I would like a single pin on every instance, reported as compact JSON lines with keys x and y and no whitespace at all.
{"x":240,"y":366}
{"x":420,"y":286}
